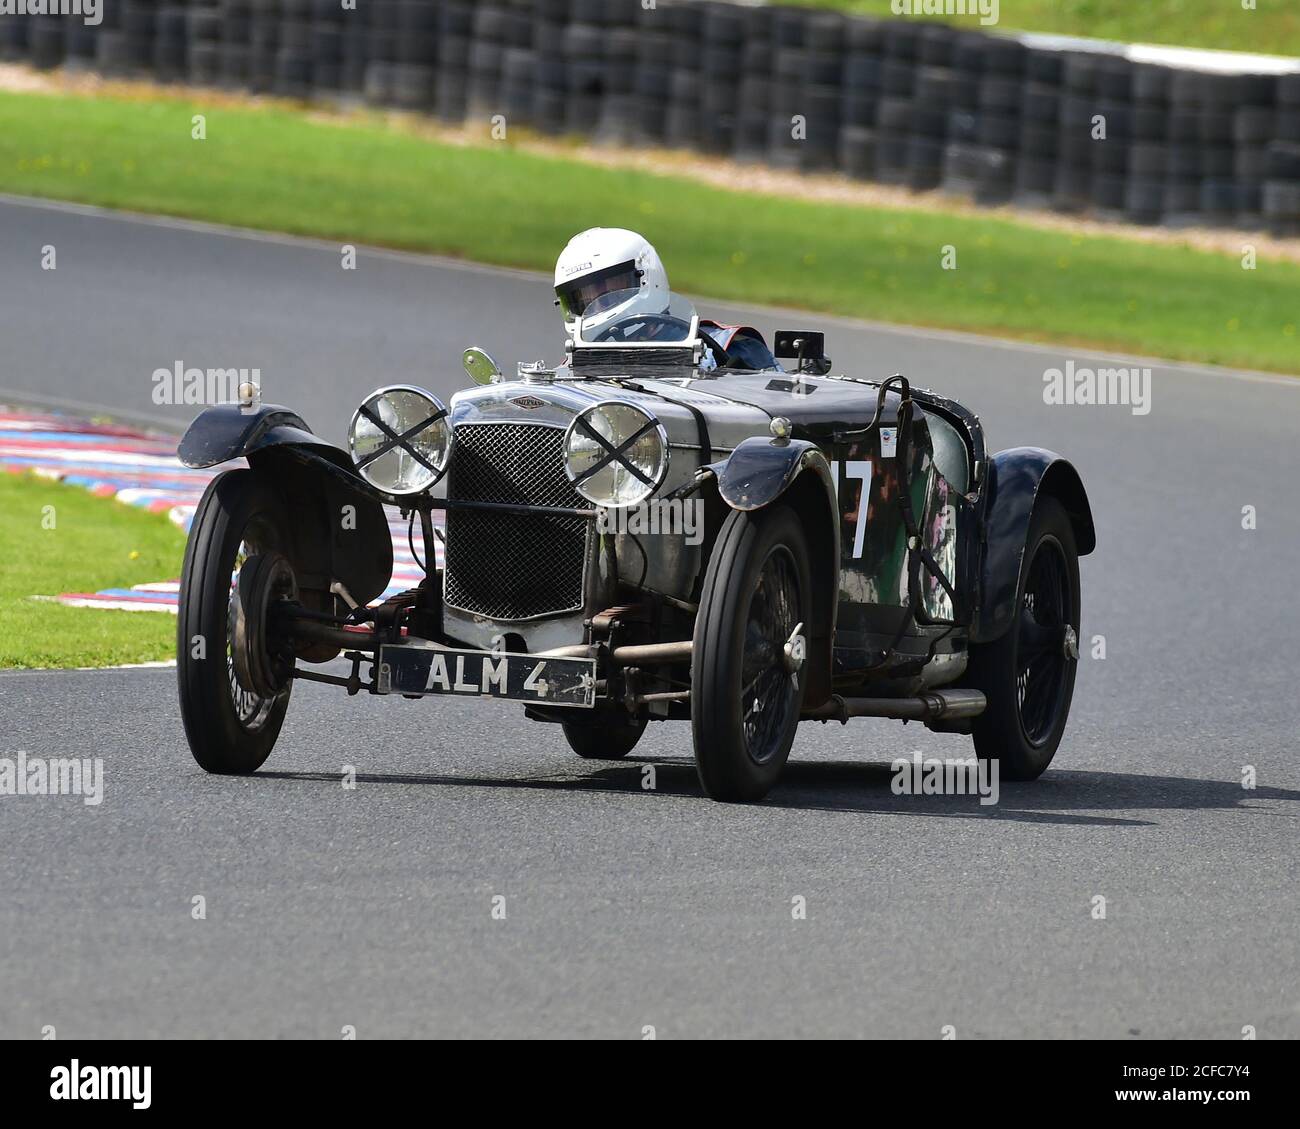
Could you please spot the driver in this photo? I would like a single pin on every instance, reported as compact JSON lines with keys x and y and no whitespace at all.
{"x":605,"y":260}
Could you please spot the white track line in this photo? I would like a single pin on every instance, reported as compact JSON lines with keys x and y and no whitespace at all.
{"x":170,"y":664}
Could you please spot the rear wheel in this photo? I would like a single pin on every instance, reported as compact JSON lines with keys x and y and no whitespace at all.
{"x":745,"y":698}
{"x":608,"y":740}
{"x":1028,"y":674}
{"x":232,"y":720}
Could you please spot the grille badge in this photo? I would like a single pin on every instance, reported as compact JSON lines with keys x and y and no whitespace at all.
{"x":532,"y":403}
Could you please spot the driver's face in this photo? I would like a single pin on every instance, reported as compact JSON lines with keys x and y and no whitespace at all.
{"x":599,"y":289}
{"x":577,"y":297}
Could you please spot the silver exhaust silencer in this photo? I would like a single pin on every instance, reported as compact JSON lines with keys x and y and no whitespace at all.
{"x":933,"y":705}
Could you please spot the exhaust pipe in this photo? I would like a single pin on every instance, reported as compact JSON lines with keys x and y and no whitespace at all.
{"x":933,"y":705}
{"x":646,"y":654}
{"x":638,"y":654}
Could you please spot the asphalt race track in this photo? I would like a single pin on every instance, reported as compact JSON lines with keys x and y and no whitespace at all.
{"x":628,"y":908}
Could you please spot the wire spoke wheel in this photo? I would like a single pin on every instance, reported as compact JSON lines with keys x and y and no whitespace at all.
{"x":232,"y":721}
{"x":1028,"y":674}
{"x":745,"y":699}
{"x":251,"y":709}
{"x":768,"y":696}
{"x":1045,"y":614}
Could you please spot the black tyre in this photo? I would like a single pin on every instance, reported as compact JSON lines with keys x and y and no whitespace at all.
{"x":1143,"y":200}
{"x":1045,"y":67}
{"x":1028,"y":674}
{"x":230,"y":728}
{"x":744,"y":700}
{"x":1283,"y":161}
{"x":1035,"y":177}
{"x":604,"y":741}
{"x":1151,"y":83}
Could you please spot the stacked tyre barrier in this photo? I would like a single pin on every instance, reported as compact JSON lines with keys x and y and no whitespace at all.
{"x":996,"y":118}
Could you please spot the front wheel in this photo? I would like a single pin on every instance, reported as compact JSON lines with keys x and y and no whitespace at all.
{"x":230,"y":723}
{"x":745,"y":688}
{"x":1028,"y":674}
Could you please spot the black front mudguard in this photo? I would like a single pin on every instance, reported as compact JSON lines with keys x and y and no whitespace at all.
{"x":336,"y":528}
{"x":229,"y":431}
{"x":760,"y":470}
{"x":1016,"y":479}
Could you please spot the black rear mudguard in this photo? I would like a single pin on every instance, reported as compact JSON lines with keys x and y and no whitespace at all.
{"x":335,"y":525}
{"x":1016,"y":479}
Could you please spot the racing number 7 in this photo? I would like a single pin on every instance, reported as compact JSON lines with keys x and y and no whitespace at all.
{"x":861,"y":470}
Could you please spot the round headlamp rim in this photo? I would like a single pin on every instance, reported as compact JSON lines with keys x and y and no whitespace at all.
{"x":663,"y":440}
{"x":384,"y":390}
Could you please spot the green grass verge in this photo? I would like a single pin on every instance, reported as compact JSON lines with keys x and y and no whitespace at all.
{"x":1273,"y":28}
{"x":94,"y":543}
{"x":363,"y":181}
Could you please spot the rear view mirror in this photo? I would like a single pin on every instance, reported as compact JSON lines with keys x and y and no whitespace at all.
{"x":807,"y":345}
{"x":479,"y":366}
{"x":800,"y":343}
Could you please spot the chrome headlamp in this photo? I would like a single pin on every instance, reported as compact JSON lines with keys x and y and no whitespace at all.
{"x":616,"y":454}
{"x":400,"y":439}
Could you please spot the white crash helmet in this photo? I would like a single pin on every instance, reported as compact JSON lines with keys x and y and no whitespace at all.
{"x":604,"y":260}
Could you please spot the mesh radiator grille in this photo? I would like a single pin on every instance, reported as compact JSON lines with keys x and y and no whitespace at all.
{"x":512,"y":566}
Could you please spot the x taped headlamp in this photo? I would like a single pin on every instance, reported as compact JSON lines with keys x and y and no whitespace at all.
{"x":616,"y":454}
{"x":400,"y":439}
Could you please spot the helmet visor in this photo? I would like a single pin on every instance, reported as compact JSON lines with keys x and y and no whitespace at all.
{"x":577,"y":295}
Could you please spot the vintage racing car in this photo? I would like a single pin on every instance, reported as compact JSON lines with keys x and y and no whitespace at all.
{"x":641,"y":533}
